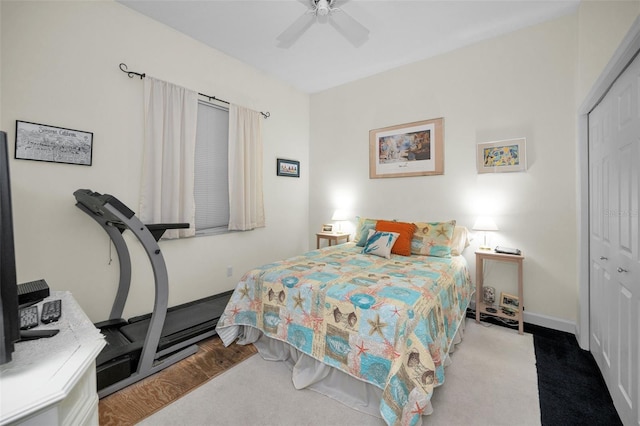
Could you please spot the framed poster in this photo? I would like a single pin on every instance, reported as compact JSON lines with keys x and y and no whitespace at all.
{"x":502,"y":156}
{"x":41,"y":142}
{"x":412,"y":149}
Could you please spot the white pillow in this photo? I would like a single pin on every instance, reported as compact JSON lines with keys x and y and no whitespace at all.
{"x":380,"y":243}
{"x":459,"y":240}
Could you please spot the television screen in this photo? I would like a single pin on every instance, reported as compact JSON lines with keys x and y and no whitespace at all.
{"x":9,"y":317}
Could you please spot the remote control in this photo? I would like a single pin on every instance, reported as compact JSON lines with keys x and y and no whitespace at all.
{"x":51,"y":311}
{"x":28,"y":317}
{"x":37,"y":334}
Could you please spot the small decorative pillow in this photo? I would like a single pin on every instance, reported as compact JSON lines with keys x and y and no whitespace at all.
{"x":406,"y":231}
{"x":433,"y":238}
{"x":362,"y":230}
{"x":380,"y":243}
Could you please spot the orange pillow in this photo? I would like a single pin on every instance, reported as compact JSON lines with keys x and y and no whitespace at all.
{"x":402,"y":245}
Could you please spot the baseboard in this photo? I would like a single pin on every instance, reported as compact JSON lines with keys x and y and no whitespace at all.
{"x":550,"y":322}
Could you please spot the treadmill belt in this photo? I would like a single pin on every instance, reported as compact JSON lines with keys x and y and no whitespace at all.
{"x":179,"y":320}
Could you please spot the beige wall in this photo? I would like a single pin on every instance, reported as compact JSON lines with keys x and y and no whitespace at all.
{"x":602,"y":26}
{"x":60,"y":67}
{"x":518,"y":85}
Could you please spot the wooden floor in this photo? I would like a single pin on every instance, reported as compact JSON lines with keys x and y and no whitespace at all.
{"x":132,"y":404}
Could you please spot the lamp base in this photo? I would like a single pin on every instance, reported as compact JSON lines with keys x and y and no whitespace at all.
{"x":485,"y":248}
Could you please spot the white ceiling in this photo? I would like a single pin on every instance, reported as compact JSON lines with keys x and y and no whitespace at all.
{"x":401,"y":32}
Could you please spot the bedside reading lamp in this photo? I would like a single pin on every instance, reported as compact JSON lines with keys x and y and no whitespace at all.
{"x":485,"y":224}
{"x":339,"y":216}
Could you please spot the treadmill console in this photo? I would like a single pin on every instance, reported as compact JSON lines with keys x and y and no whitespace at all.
{"x":95,"y":202}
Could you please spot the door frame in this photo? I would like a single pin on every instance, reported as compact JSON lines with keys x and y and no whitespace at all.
{"x":622,"y":57}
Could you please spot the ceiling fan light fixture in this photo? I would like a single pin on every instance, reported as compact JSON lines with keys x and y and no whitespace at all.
{"x":322,"y":8}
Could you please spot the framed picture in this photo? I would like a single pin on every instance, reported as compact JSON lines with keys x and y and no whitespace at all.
{"x":502,"y":156}
{"x":327,"y":228}
{"x":509,"y":302}
{"x":41,"y":142}
{"x":412,"y":149}
{"x":288,"y":168}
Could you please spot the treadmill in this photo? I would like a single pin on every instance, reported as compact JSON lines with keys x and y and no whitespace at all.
{"x":145,"y":344}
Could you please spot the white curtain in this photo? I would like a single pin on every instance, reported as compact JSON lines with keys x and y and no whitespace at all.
{"x":246,"y":205}
{"x":170,"y":115}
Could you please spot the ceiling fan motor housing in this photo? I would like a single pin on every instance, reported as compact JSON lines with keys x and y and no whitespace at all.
{"x":323,"y":7}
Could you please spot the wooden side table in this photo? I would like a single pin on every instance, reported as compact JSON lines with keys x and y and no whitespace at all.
{"x":331,"y":237}
{"x":481,"y":307}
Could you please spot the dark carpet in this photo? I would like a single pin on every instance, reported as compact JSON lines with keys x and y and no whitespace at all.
{"x":570,"y":386}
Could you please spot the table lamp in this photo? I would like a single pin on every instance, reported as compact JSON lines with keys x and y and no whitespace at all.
{"x":339,"y":216}
{"x":485,"y":224}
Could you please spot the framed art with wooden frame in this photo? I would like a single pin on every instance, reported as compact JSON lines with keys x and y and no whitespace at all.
{"x":502,"y":156}
{"x":288,"y":167}
{"x":411,"y":149}
{"x":509,"y":302}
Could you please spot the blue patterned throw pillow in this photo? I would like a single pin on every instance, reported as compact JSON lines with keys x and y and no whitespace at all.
{"x":380,"y":243}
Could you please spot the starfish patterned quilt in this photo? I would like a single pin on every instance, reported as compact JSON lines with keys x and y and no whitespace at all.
{"x":388,"y":322}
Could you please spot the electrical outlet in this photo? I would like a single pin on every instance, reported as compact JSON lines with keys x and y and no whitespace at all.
{"x":229,"y":271}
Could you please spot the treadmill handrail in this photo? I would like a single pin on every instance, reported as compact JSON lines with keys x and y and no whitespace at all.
{"x":110,"y":209}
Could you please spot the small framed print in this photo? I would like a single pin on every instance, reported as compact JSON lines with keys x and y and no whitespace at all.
{"x":288,"y":167}
{"x":41,"y":142}
{"x":509,"y":302}
{"x":502,"y":156}
{"x":327,"y":228}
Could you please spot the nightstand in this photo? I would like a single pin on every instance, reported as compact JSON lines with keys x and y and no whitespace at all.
{"x":481,"y":307}
{"x":331,"y":237}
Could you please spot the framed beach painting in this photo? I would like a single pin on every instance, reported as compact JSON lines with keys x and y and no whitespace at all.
{"x":412,"y":149}
{"x":502,"y":156}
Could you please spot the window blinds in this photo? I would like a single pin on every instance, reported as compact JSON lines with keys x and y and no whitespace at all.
{"x":211,"y":168}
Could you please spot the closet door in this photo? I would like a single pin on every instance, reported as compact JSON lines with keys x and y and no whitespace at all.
{"x":614,"y":164}
{"x":601,"y":189}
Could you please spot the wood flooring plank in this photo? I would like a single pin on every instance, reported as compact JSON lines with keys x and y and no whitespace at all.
{"x":139,"y":400}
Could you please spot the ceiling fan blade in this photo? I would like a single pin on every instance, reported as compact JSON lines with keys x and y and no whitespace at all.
{"x":351,"y":29}
{"x":295,"y":30}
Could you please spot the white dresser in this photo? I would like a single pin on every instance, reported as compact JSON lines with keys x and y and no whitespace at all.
{"x":53,"y":381}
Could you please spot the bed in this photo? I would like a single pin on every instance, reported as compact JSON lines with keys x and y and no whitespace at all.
{"x":370,"y":329}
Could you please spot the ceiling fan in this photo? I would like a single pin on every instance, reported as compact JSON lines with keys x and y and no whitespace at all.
{"x":325,"y":11}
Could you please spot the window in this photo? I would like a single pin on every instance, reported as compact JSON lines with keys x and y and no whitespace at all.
{"x":211,"y":188}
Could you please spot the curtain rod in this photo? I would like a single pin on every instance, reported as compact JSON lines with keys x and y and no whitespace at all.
{"x":124,"y":69}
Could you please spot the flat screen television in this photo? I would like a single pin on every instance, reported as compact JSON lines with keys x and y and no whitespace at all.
{"x":9,"y":314}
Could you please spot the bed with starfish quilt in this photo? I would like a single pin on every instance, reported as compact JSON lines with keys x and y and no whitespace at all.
{"x":388,"y":322}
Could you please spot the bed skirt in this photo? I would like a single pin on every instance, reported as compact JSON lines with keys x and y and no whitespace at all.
{"x":309,"y":373}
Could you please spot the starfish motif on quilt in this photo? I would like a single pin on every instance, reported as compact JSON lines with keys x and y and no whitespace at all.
{"x":244,"y":292}
{"x":362,"y":349}
{"x":418,"y":410}
{"x":376,"y":326}
{"x":298,"y":301}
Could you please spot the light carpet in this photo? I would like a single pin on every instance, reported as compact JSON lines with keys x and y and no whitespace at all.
{"x":492,"y":381}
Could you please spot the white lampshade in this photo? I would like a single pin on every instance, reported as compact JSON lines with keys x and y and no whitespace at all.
{"x":340,"y":215}
{"x":484,"y":223}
